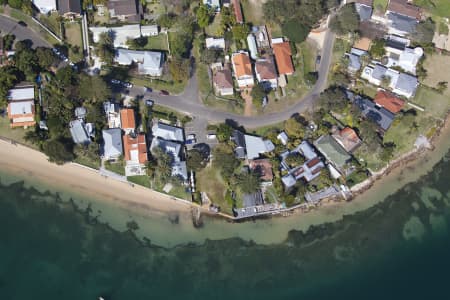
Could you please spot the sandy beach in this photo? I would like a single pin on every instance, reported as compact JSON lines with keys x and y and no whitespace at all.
{"x":22,"y":161}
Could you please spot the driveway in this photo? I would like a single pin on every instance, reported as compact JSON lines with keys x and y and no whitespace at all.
{"x":189,"y":102}
{"x":10,"y":26}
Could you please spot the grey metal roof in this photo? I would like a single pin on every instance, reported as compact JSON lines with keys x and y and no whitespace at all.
{"x":80,"y":112}
{"x":354,"y":64}
{"x":402,"y":23}
{"x":288,"y":180}
{"x":381,"y":116}
{"x":168,"y":132}
{"x":69,"y":6}
{"x":78,"y":131}
{"x":112,"y":138}
{"x":378,"y":72}
{"x":364,"y":11}
{"x":407,"y":83}
{"x":395,"y":44}
{"x":253,"y":199}
{"x":306,"y":150}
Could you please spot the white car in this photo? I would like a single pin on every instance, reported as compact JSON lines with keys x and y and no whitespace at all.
{"x":190,"y":137}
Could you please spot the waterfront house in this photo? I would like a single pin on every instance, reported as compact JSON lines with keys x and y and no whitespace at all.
{"x":242,"y":68}
{"x":266,"y":73}
{"x":112,"y":143}
{"x":21,"y":106}
{"x":69,"y":9}
{"x":127,"y":120}
{"x":125,"y":10}
{"x":80,"y":131}
{"x":223,"y":82}
{"x":263,"y":167}
{"x":333,"y":151}
{"x":148,"y":62}
{"x":403,"y":17}
{"x":135,"y":153}
{"x":249,"y":146}
{"x":283,"y":59}
{"x":348,"y":139}
{"x":45,"y":6}
{"x":389,"y":101}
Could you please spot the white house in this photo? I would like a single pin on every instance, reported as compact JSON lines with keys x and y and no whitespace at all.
{"x":215,"y":43}
{"x":122,"y":34}
{"x":149,"y":30}
{"x":251,"y":42}
{"x":407,"y":59}
{"x":112,"y":147}
{"x":149,"y":62}
{"x":45,"y":6}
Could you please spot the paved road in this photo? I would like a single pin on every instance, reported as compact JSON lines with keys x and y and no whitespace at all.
{"x":10,"y":26}
{"x":189,"y":102}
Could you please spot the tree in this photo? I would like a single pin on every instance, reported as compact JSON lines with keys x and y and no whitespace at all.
{"x":94,"y":89}
{"x":249,"y":182}
{"x":346,"y":20}
{"x":17,"y":4}
{"x":58,"y":151}
{"x":295,"y":31}
{"x":295,"y":159}
{"x":333,"y":99}
{"x":195,"y":160}
{"x":209,"y":56}
{"x":9,"y":76}
{"x":163,"y":164}
{"x":138,"y":43}
{"x":377,"y":49}
{"x":105,"y":48}
{"x":45,"y":57}
{"x":25,"y":60}
{"x":225,"y":160}
{"x":294,"y":128}
{"x":179,"y":69}
{"x":240,"y":31}
{"x":258,"y":93}
{"x":387,"y":151}
{"x":224,"y":132}
{"x":424,"y":32}
{"x":442,"y":86}
{"x":8,"y":41}
{"x":203,"y":16}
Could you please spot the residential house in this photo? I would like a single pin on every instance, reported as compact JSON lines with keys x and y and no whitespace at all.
{"x":242,"y":68}
{"x":80,"y":132}
{"x":266,"y":73}
{"x":407,"y":59}
{"x":215,"y":43}
{"x":249,"y":146}
{"x":253,"y":199}
{"x":282,"y":52}
{"x":148,"y":62}
{"x":403,"y":17}
{"x":396,"y":44}
{"x":112,"y":143}
{"x":401,"y":83}
{"x":69,"y":8}
{"x":389,"y":101}
{"x":381,"y":116}
{"x":112,"y":114}
{"x":80,"y":112}
{"x":120,"y":35}
{"x":149,"y":30}
{"x":45,"y":6}
{"x":226,"y":3}
{"x":308,"y":171}
{"x":333,"y":151}
{"x":223,"y":82}
{"x":251,"y":43}
{"x":354,"y":59}
{"x":135,"y":153}
{"x":237,"y":11}
{"x":127,"y":120}
{"x":125,"y":10}
{"x":283,"y":138}
{"x":263,"y":167}
{"x":168,"y":132}
{"x":262,"y":37}
{"x":347,"y":138}
{"x":214,"y":4}
{"x":364,"y":9}
{"x":21,"y":106}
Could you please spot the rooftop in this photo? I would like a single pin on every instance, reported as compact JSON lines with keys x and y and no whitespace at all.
{"x":363,"y":44}
{"x":242,"y":65}
{"x":112,"y":147}
{"x":265,"y":68}
{"x":223,"y":79}
{"x":168,"y":132}
{"x":331,"y":149}
{"x":127,"y":118}
{"x":69,"y":6}
{"x":78,"y":131}
{"x":282,"y":52}
{"x":347,"y":138}
{"x":255,"y":146}
{"x":389,"y":101}
{"x":381,"y":116}
{"x":263,"y":167}
{"x":135,"y":148}
{"x":405,"y":8}
{"x":20,"y":93}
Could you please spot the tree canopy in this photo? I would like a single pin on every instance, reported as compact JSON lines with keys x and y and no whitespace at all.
{"x":249,"y":182}
{"x":346,"y":20}
{"x":295,"y":30}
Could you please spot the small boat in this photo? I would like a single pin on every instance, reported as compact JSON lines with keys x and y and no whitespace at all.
{"x":101,"y":298}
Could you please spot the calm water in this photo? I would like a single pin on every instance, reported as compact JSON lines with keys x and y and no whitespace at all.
{"x":399,"y":248}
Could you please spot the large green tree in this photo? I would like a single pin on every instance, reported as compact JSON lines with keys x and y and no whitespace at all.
{"x":249,"y":182}
{"x":195,"y":160}
{"x":346,"y":20}
{"x":94,"y":89}
{"x":203,"y":16}
{"x":58,"y":151}
{"x":295,"y":30}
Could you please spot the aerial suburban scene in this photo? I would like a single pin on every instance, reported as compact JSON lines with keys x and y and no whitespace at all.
{"x":247,"y":123}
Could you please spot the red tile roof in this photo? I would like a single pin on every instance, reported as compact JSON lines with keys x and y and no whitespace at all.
{"x":135,"y":143}
{"x":266,"y":69}
{"x":238,"y":11}
{"x":127,"y":118}
{"x":348,"y":139}
{"x":242,"y":65}
{"x":389,"y":101}
{"x":283,"y":58}
{"x":313,"y":162}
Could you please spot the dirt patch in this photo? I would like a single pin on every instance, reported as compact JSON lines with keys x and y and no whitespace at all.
{"x":246,"y":95}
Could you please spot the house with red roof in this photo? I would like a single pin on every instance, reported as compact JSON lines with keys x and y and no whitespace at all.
{"x":127,"y":120}
{"x":389,"y":101}
{"x":135,"y":153}
{"x":237,"y":11}
{"x":283,"y":59}
{"x":21,"y":106}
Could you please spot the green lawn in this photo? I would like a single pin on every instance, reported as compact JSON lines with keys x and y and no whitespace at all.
{"x":116,"y":167}
{"x":143,"y":180}
{"x":17,"y":134}
{"x":86,"y":161}
{"x":214,"y":28}
{"x":252,"y":11}
{"x":74,"y":38}
{"x":434,"y":103}
{"x":211,"y":182}
{"x":52,"y":23}
{"x":158,"y":42}
{"x":439,"y":8}
{"x":382,"y":4}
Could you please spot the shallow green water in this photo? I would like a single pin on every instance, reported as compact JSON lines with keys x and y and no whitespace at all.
{"x":396,"y":249}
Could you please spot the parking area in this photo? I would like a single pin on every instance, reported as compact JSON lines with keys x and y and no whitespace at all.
{"x":198,"y":127}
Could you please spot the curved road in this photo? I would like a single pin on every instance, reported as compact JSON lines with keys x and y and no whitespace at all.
{"x":10,"y":26}
{"x":190,"y":103}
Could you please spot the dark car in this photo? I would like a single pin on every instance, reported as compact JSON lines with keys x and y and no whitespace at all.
{"x":318,"y":59}
{"x":148,"y":89}
{"x":22,"y":23}
{"x":164,"y":93}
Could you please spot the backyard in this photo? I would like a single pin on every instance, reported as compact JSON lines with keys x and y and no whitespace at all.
{"x":439,"y":8}
{"x":211,"y":182}
{"x":16,"y":134}
{"x":73,"y":37}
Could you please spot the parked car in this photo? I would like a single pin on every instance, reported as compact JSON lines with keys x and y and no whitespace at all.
{"x":191,"y":141}
{"x":164,"y":93}
{"x":318,"y":59}
{"x":22,"y":23}
{"x":190,"y":137}
{"x":149,"y":102}
{"x":148,"y":89}
{"x":115,"y":81}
